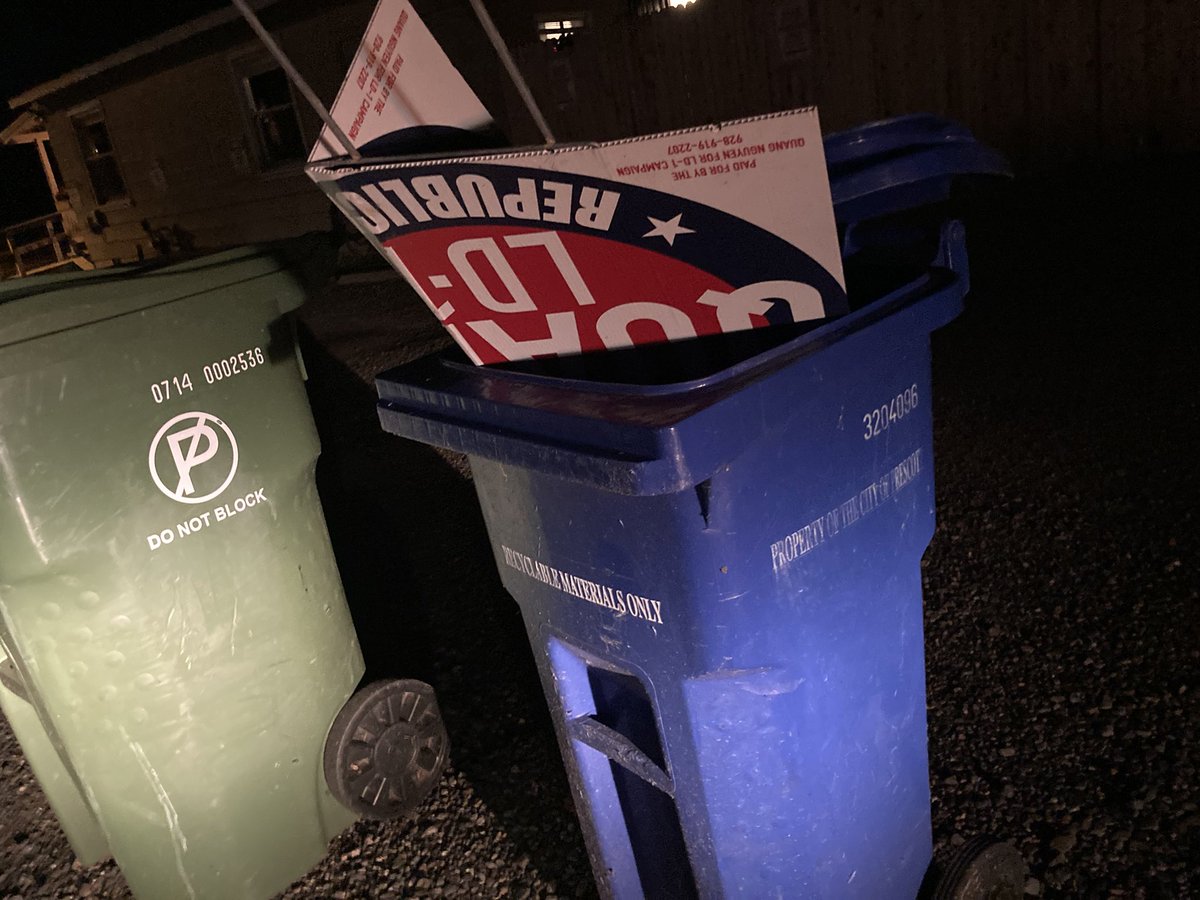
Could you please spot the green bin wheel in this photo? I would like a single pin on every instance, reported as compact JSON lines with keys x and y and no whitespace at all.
{"x":983,"y":869}
{"x":386,"y":749}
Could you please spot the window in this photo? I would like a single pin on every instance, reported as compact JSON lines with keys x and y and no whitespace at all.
{"x":99,"y":157}
{"x":562,"y":26}
{"x":273,"y":114}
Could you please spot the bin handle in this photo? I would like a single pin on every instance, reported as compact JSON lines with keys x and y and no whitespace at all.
{"x":11,"y":679}
{"x":595,"y":734}
{"x":648,"y":459}
{"x":952,"y":252}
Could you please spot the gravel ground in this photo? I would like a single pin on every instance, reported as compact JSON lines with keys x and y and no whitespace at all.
{"x":1061,"y":589}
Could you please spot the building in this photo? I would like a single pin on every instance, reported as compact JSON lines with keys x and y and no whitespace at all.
{"x":193,"y":139}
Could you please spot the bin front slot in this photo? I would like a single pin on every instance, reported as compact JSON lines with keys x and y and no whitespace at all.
{"x":655,"y":835}
{"x":624,"y":779}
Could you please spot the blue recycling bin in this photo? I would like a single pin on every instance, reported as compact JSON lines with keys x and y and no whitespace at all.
{"x":721,"y":584}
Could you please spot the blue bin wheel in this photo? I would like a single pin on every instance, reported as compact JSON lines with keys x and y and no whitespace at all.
{"x":386,"y":749}
{"x":983,"y":869}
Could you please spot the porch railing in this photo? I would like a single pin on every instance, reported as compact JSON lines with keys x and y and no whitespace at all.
{"x":37,"y":245}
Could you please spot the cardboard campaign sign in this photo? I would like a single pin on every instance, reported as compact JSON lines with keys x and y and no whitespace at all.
{"x":573,"y":249}
{"x":402,"y":92}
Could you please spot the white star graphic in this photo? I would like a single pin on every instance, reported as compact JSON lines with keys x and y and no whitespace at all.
{"x":668,"y":230}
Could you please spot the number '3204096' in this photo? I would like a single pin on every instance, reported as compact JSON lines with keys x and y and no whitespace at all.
{"x":877,"y":421}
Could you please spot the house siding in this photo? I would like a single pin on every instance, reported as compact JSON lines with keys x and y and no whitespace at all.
{"x":186,"y":150}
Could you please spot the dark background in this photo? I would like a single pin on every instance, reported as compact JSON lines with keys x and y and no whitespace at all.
{"x":42,"y":39}
{"x":1061,"y":596}
{"x":1063,"y":641}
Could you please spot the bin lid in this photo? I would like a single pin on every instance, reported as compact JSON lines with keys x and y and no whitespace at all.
{"x":857,"y":146}
{"x":918,"y":176}
{"x":902,"y":164}
{"x":38,"y":306}
{"x":36,"y":284}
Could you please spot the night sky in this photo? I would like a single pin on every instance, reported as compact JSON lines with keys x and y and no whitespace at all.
{"x":42,"y":39}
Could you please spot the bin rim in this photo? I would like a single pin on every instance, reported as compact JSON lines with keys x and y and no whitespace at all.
{"x":629,"y":439}
{"x":30,"y":311}
{"x":947,"y":270}
{"x":932,"y":281}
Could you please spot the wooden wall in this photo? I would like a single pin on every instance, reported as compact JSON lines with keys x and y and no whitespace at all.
{"x":1049,"y":82}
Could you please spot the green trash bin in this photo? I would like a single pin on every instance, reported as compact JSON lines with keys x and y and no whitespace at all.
{"x":180,"y":657}
{"x":58,"y":782}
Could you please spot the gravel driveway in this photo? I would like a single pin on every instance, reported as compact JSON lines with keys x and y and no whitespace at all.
{"x":1063,"y":632}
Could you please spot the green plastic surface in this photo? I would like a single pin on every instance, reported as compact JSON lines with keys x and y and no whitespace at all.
{"x":61,"y":301}
{"x":69,"y":805}
{"x":167,"y":586}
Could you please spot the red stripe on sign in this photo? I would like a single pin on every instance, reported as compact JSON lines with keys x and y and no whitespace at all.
{"x":516,"y":293}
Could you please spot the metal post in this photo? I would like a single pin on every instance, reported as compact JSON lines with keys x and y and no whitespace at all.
{"x":292,"y":73}
{"x":513,"y":72}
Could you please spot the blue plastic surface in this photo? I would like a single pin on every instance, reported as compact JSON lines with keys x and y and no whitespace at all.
{"x":902,"y":164}
{"x":877,"y":139}
{"x":721,"y":584}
